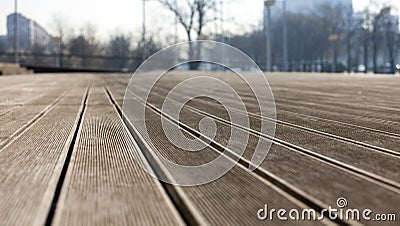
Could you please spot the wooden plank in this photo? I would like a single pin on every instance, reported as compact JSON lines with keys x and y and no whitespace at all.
{"x":104,"y":184}
{"x":334,"y":147}
{"x":31,"y":165}
{"x":311,"y":175}
{"x":22,"y":104}
{"x":233,"y":199}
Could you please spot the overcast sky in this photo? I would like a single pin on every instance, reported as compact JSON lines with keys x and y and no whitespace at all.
{"x":108,"y":16}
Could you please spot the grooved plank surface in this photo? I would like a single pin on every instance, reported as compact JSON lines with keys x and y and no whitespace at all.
{"x":352,"y":119}
{"x":292,"y":165}
{"x":337,"y":148}
{"x":233,"y":199}
{"x":104,"y":184}
{"x":66,"y":162}
{"x":349,"y":131}
{"x":29,"y":166}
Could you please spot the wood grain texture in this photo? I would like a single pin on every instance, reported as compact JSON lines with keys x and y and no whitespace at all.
{"x":51,"y":139}
{"x":29,"y":166}
{"x":104,"y":184}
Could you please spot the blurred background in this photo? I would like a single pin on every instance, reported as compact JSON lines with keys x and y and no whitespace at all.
{"x":280,"y":35}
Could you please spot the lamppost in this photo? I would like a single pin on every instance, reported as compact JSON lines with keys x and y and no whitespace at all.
{"x":222,"y":21}
{"x":144,"y":30}
{"x":285,"y":48}
{"x":267,"y":30}
{"x":176,"y":23}
{"x":16,"y":44}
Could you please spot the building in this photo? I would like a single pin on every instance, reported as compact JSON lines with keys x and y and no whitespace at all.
{"x":31,"y":36}
{"x":3,"y":43}
{"x":307,"y":6}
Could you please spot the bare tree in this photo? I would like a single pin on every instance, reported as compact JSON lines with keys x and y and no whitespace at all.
{"x":62,"y":30}
{"x":351,"y":28}
{"x":119,"y":48}
{"x":193,"y":17}
{"x":384,"y":32}
{"x":86,"y":46}
{"x":335,"y":21}
{"x":375,"y":41}
{"x":390,"y":27}
{"x":367,"y":29}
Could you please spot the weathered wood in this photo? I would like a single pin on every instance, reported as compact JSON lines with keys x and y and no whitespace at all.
{"x":30,"y":166}
{"x":59,"y":154}
{"x":104,"y":184}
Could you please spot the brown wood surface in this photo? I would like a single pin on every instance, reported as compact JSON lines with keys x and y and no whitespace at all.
{"x":67,"y":157}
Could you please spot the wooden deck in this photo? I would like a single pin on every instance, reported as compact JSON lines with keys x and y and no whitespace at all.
{"x":68,"y":158}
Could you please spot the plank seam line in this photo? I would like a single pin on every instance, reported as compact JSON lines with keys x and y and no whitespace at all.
{"x":348,"y":124}
{"x":7,"y":142}
{"x":346,"y":113}
{"x":383,"y":182}
{"x":14,"y":86}
{"x":316,"y":118}
{"x":188,"y":212}
{"x":333,"y":136}
{"x":349,"y":114}
{"x":377,"y":107}
{"x":144,"y":161}
{"x":281,"y":184}
{"x":57,"y":192}
{"x":374,"y":148}
{"x":8,"y":111}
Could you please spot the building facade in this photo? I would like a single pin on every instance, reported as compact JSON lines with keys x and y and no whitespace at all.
{"x":31,"y":36}
{"x":307,"y":6}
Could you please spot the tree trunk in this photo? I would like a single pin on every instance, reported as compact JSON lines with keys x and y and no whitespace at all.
{"x":390,"y":45}
{"x":334,"y":63}
{"x":194,"y":65}
{"x":366,"y":54}
{"x":375,"y":49}
{"x":391,"y":58}
{"x":375,"y":56}
{"x":348,"y":55}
